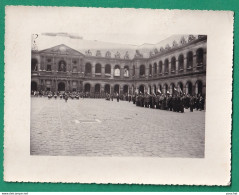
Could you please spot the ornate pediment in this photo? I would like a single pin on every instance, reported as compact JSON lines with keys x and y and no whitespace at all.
{"x":62,"y":50}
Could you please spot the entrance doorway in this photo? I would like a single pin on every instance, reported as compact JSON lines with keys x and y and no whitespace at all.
{"x":61,"y":86}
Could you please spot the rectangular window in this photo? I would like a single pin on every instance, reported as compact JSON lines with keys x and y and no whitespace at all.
{"x":48,"y":68}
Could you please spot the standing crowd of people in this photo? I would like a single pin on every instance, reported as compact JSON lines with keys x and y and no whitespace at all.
{"x":177,"y":102}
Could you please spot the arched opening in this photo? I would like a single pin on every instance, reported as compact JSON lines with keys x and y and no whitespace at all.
{"x":87,"y":87}
{"x":189,"y":88}
{"x":189,"y":60}
{"x":172,"y":89}
{"x":199,"y":54}
{"x":155,"y":69}
{"x":199,"y":87}
{"x":166,"y":66}
{"x":117,"y":70}
{"x":160,"y":67}
{"x":126,"y":71}
{"x":107,"y":88}
{"x":150,"y":70}
{"x":116,"y":89}
{"x":62,"y":66}
{"x":126,"y":89}
{"x":173,"y":64}
{"x":98,"y":68}
{"x":141,"y":88}
{"x":61,"y":86}
{"x":149,"y":89}
{"x":107,"y":69}
{"x":133,"y":70}
{"x":154,"y":89}
{"x":165,"y":88}
{"x":97,"y":88}
{"x":88,"y":69}
{"x":34,"y":63}
{"x":159,"y":88}
{"x":33,"y":86}
{"x":180,"y":62}
{"x":180,"y":87}
{"x":142,"y":70}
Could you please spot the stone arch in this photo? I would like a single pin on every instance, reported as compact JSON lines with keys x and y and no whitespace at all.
{"x":126,"y":71}
{"x":107,"y":88}
{"x":172,"y":88}
{"x":199,"y":87}
{"x":141,"y":88}
{"x":180,"y":87}
{"x":189,"y":60}
{"x":173,"y":64}
{"x":166,"y":66}
{"x":87,"y":87}
{"x":160,"y":89}
{"x":88,"y":68}
{"x":155,"y":69}
{"x":154,"y":90}
{"x":117,"y":70}
{"x":189,"y":88}
{"x":133,"y":69}
{"x":150,"y":69}
{"x":34,"y":63}
{"x":142,"y":70}
{"x":116,"y":88}
{"x":107,"y":69}
{"x":61,"y":86}
{"x":160,"y":67}
{"x":180,"y":62}
{"x":126,"y":89}
{"x":98,"y":68}
{"x":165,"y":86}
{"x":199,"y":56}
{"x":97,"y":88}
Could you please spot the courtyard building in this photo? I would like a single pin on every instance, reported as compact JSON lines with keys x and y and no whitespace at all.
{"x":178,"y":66}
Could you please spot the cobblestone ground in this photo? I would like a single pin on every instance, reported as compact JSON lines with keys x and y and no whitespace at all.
{"x":96,"y":127}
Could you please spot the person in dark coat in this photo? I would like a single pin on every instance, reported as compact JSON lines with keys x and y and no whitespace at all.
{"x":191,"y":103}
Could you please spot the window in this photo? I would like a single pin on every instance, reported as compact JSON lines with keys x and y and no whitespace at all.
{"x":180,"y":62}
{"x":166,"y":66}
{"x":142,"y":70}
{"x":117,"y":70}
{"x":189,"y":60}
{"x":48,"y":67}
{"x":173,"y":64}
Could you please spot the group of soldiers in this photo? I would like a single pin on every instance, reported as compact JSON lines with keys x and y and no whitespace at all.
{"x":176,"y":103}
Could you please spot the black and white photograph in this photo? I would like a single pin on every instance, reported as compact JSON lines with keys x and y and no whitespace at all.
{"x":117,"y":95}
{"x":101,"y":98}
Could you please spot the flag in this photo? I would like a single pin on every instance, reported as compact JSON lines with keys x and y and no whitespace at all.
{"x":168,"y":92}
{"x":175,"y":89}
{"x":159,"y":91}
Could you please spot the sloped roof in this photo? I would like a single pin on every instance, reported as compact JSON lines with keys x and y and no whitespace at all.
{"x":49,"y":40}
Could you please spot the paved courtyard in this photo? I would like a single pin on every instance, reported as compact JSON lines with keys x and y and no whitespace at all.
{"x":96,"y":127}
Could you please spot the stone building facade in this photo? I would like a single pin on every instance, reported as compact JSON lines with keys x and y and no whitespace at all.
{"x":180,"y":67}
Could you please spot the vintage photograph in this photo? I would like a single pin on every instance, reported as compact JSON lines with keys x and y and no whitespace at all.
{"x":111,"y":98}
{"x":117,"y":95}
